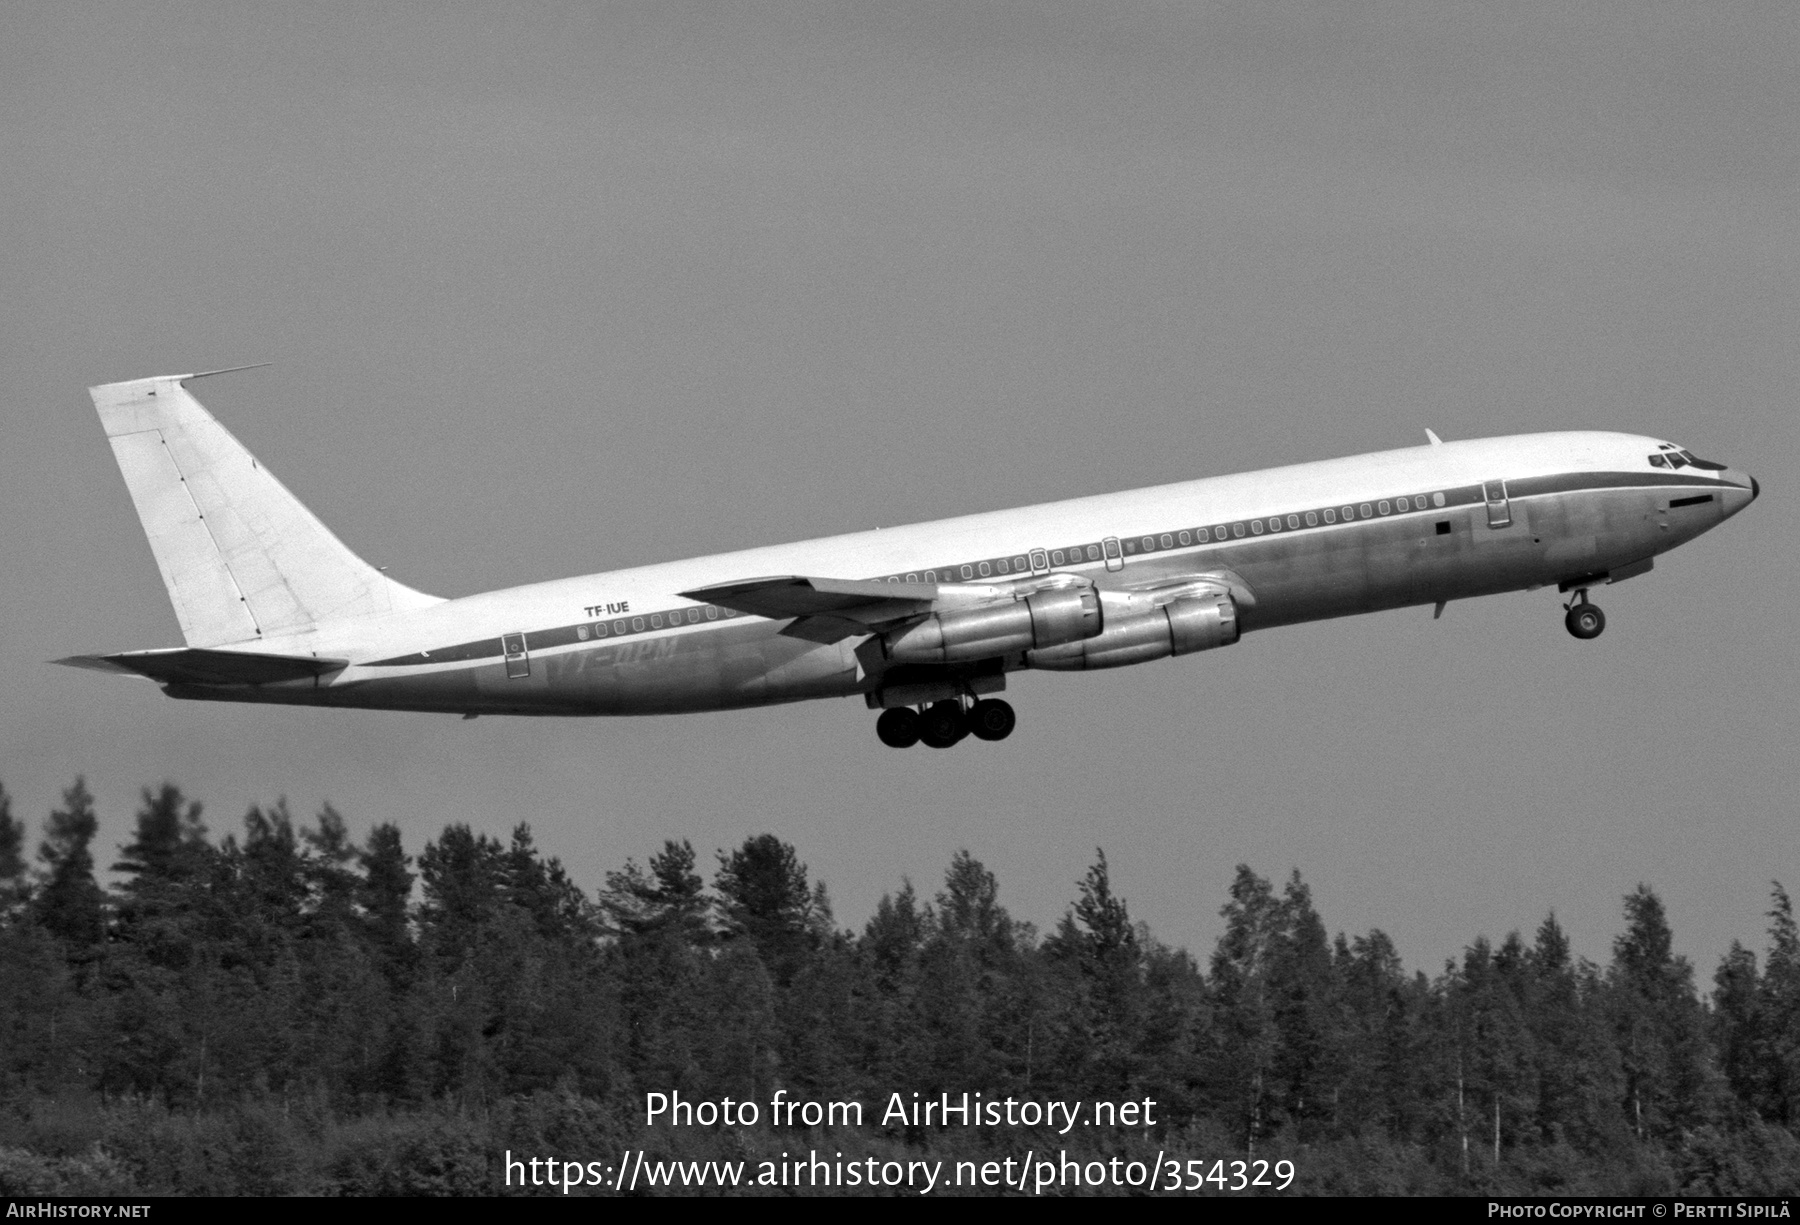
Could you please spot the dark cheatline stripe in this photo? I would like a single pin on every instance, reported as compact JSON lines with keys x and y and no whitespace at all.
{"x":561,"y":636}
{"x":1092,"y":552}
{"x":481,"y":648}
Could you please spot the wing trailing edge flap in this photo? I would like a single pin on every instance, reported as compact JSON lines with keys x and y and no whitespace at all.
{"x":825,"y":610}
{"x":204,"y":666}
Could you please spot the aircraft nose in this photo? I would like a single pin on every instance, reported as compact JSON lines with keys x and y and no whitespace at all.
{"x":1744,"y":490}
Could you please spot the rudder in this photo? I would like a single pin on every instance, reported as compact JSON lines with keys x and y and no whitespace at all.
{"x":243,"y":559}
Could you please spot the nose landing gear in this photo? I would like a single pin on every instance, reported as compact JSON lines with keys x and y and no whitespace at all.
{"x":943,"y":724}
{"x":1583,"y":619}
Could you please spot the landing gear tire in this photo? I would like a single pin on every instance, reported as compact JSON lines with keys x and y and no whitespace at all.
{"x":1585,"y":620}
{"x":943,"y":724}
{"x":992,"y":719}
{"x":898,"y":728}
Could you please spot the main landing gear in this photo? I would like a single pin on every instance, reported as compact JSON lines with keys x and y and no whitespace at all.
{"x":942,"y":724}
{"x":1583,"y":619}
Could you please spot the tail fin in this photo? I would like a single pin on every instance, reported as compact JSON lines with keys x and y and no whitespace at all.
{"x":241,"y":557}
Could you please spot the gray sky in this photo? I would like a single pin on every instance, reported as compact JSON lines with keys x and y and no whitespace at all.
{"x":561,"y":288}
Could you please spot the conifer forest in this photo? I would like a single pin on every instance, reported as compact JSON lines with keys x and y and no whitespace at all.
{"x":294,"y":1007}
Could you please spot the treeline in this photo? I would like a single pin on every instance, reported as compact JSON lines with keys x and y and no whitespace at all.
{"x":290,"y":1009}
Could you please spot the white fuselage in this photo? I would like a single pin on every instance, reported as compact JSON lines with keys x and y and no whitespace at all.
{"x":1415,"y":526}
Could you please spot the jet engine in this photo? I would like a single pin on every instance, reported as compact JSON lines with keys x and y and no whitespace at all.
{"x":1192,"y":623}
{"x":1041,"y":619}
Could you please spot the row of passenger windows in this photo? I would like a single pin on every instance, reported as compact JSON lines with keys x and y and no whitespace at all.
{"x":1277,"y":523}
{"x":1073,"y":555}
{"x":1172,"y":540}
{"x":1001,"y":565}
{"x":655,"y":621}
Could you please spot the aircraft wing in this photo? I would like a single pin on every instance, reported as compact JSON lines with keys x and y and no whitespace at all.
{"x":826,"y":609}
{"x":199,"y":666}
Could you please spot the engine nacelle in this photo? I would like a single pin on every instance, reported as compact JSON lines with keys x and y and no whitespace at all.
{"x":1042,"y":619}
{"x":1194,"y":623}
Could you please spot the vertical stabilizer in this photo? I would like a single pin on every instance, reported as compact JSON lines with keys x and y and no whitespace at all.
{"x":242,"y":558}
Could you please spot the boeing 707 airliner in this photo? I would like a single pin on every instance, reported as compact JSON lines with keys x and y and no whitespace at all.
{"x":924,"y":622}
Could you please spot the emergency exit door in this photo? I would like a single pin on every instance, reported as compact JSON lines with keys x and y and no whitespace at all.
{"x":1498,"y":508}
{"x":518,"y":660}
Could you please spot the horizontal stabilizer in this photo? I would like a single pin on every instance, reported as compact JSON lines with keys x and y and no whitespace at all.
{"x":860,"y":600}
{"x":198,"y":666}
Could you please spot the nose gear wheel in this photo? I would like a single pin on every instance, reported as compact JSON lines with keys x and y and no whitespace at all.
{"x":1584,"y":620}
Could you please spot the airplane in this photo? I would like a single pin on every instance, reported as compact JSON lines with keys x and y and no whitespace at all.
{"x":924,"y":622}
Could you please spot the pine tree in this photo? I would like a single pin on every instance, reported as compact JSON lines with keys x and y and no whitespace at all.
{"x":48,"y":1031}
{"x":1098,"y":947}
{"x":661,"y":920}
{"x":391,"y":1066}
{"x":965,"y":988}
{"x":14,"y":892}
{"x":891,"y":1022}
{"x":69,"y":903}
{"x":384,"y":898}
{"x":461,"y":874}
{"x":1659,"y":1025}
{"x":1245,"y":1036}
{"x":766,"y":899}
{"x":330,"y":878}
{"x":511,"y":996}
{"x":668,"y":896}
{"x":168,"y":829}
{"x":894,"y":935}
{"x":543,"y":890}
{"x":1738,"y":1030}
{"x":1379,"y":1045}
{"x":1778,"y":1003}
{"x":1494,"y":1056}
{"x":968,"y":906}
{"x":768,"y":906}
{"x":161,"y":863}
{"x":1576,"y":1062}
{"x":273,"y":874}
{"x":1306,"y":1009}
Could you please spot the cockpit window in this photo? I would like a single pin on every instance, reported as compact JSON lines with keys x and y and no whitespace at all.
{"x":1671,"y":456}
